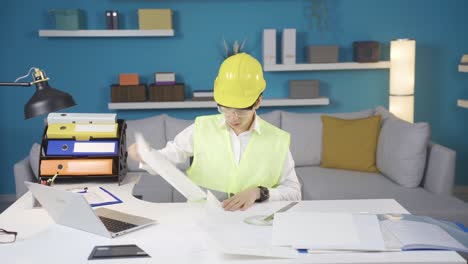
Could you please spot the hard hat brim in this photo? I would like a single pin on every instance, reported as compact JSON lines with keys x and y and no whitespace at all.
{"x":235,"y":101}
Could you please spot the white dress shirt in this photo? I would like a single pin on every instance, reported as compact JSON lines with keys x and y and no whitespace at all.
{"x":181,"y":149}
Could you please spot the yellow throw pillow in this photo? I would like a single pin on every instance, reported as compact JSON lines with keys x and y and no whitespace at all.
{"x":350,"y":144}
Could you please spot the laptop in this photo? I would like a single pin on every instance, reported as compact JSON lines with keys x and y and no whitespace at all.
{"x":72,"y":210}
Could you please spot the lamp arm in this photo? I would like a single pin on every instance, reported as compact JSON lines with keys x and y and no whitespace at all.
{"x":15,"y":84}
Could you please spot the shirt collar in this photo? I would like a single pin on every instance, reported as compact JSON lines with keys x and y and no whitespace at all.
{"x":255,"y":125}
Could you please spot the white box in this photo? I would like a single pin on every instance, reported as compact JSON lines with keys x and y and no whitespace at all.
{"x":269,"y":46}
{"x":288,"y":46}
{"x":164,"y":78}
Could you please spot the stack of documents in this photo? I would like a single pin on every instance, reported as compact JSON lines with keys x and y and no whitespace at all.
{"x":412,"y":232}
{"x":79,"y":144}
{"x":327,"y":231}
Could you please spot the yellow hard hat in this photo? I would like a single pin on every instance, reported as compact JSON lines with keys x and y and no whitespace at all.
{"x":240,"y":81}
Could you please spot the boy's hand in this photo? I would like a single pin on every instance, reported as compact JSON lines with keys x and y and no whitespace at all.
{"x":133,"y":152}
{"x":242,"y":200}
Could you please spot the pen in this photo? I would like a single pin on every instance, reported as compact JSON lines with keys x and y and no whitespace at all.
{"x":50,"y":181}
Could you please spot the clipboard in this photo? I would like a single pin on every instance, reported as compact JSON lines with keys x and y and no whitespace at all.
{"x":97,"y":196}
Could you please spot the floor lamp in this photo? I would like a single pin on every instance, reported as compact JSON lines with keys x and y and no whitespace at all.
{"x":402,"y":68}
{"x":46,"y":99}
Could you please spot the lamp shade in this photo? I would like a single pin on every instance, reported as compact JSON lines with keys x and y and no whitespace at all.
{"x":402,"y":107}
{"x":45,"y":100}
{"x":402,"y":72}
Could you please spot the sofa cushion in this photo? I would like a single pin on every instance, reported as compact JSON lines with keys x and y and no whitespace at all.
{"x":350,"y":143}
{"x":332,"y":184}
{"x":273,"y":117}
{"x":152,"y":129}
{"x":174,"y":126}
{"x":402,"y":149}
{"x":306,"y":134}
{"x":34,"y":155}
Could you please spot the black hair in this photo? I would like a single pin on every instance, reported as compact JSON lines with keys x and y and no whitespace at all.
{"x":250,"y":107}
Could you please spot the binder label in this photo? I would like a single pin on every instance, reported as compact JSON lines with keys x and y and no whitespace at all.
{"x":94,"y":147}
{"x":95,"y":128}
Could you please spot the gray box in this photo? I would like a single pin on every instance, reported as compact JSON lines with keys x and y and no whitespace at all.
{"x":300,"y":89}
{"x":322,"y":54}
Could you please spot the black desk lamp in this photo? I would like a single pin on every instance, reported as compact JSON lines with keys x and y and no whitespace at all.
{"x":46,"y":99}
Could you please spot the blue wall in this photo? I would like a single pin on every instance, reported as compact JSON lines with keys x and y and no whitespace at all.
{"x":85,"y":67}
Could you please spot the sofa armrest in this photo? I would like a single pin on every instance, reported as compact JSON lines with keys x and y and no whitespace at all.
{"x":23,"y":172}
{"x":440,"y":170}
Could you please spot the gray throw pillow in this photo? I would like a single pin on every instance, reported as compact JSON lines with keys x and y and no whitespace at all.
{"x":34,"y":155}
{"x":152,"y":129}
{"x":402,"y":149}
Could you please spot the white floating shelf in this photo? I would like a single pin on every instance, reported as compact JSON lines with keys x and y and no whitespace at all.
{"x":463,"y":68}
{"x":327,"y":66}
{"x":107,"y":33}
{"x":212,"y":104}
{"x":462,"y":103}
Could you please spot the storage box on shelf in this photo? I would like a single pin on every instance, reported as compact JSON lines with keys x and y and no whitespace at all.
{"x":128,"y":93}
{"x":167,"y":93}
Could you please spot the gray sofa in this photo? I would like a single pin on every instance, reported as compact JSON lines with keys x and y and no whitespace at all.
{"x":430,"y":194}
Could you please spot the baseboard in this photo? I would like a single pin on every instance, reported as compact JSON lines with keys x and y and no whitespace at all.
{"x":461,"y":191}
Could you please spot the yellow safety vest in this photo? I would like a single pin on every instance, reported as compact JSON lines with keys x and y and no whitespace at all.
{"x":214,"y":166}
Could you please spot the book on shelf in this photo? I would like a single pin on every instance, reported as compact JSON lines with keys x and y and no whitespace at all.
{"x":203,"y":98}
{"x":203,"y":93}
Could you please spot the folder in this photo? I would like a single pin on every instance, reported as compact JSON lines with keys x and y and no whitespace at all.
{"x":81,"y":118}
{"x":82,"y":131}
{"x":76,"y":167}
{"x":81,"y":148}
{"x":269,"y":46}
{"x":288,"y":45}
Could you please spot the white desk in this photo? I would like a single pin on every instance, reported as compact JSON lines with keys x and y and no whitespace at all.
{"x":177,"y":238}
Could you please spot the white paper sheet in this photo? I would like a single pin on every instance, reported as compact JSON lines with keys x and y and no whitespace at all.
{"x":314,"y":230}
{"x":273,"y":252}
{"x":168,"y":171}
{"x":327,"y":231}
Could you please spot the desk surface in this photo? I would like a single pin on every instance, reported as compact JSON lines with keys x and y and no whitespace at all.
{"x":177,"y":238}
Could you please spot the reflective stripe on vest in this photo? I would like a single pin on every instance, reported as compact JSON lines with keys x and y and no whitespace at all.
{"x":214,"y":166}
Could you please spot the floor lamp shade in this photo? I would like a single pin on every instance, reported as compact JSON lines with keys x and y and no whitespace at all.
{"x":46,"y":99}
{"x":402,"y":72}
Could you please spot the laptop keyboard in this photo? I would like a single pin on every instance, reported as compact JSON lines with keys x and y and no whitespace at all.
{"x":115,"y":225}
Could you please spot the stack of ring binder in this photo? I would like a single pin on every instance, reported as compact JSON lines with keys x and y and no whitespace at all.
{"x":83,"y":145}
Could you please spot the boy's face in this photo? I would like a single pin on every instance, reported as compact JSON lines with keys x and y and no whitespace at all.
{"x":239,"y":120}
